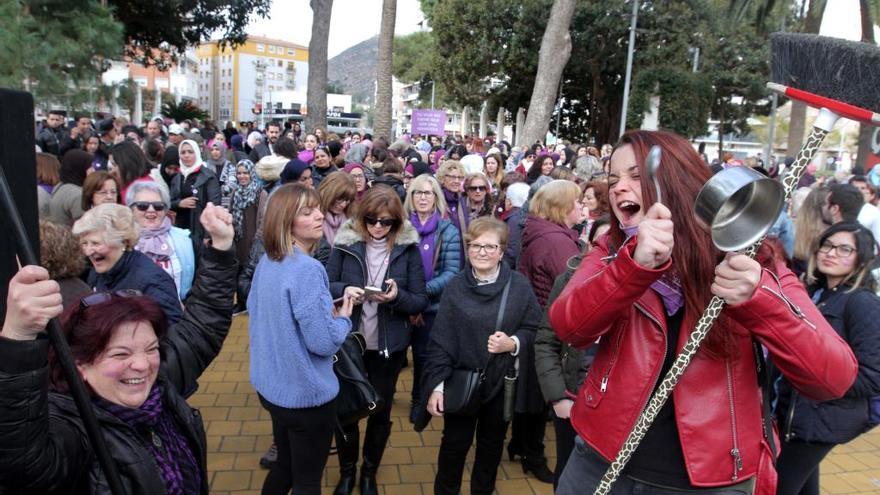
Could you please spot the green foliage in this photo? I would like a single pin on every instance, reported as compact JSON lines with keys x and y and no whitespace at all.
{"x":685,"y":99}
{"x":415,"y":60}
{"x":52,"y":47}
{"x":184,"y":110}
{"x":156,"y":30}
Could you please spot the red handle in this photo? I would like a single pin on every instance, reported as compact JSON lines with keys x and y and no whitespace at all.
{"x":843,"y":109}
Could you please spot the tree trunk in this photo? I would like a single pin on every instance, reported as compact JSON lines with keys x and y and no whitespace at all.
{"x":866,"y":131}
{"x":383,"y":70}
{"x":316,"y":98}
{"x":797,"y":120}
{"x":554,"y":54}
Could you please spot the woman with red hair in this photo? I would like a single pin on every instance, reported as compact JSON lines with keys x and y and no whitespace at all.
{"x":641,"y":289}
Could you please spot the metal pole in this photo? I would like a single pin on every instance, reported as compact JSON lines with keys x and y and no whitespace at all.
{"x":696,"y":58}
{"x":629,"y":64}
{"x":771,"y":133}
{"x":433,"y":85}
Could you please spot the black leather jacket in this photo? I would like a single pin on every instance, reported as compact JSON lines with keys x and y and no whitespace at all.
{"x":43,"y":444}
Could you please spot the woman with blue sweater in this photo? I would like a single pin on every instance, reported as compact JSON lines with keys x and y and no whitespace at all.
{"x":842,"y":287}
{"x":439,"y":247}
{"x":294,"y":333}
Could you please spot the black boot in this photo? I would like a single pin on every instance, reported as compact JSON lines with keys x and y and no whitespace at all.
{"x":368,"y":478}
{"x":539,"y":468}
{"x":348,"y":471}
{"x":374,"y":447}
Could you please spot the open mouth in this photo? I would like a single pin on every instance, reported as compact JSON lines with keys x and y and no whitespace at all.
{"x":628,"y":209}
{"x":97,"y":259}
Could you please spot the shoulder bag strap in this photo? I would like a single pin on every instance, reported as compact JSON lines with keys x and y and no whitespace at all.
{"x":503,"y":305}
{"x":764,"y":383}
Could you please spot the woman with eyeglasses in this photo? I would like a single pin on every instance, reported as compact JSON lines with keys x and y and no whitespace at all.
{"x":479,"y":199}
{"x":138,"y":372}
{"x":107,"y":235}
{"x":169,"y":247}
{"x":465,"y":336}
{"x":375,"y":261}
{"x":842,"y":287}
{"x":322,"y":166}
{"x":451,"y":175}
{"x":100,"y":187}
{"x":440,"y":250}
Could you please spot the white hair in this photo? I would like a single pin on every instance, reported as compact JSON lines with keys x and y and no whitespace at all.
{"x":518,"y":193}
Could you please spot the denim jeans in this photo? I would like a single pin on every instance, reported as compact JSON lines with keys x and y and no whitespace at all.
{"x":585,"y":469}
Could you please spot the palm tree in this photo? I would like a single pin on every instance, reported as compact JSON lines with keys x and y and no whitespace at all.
{"x":316,"y":97}
{"x":554,"y":54}
{"x":382,"y":122}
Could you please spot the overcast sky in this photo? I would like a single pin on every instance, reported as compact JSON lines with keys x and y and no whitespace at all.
{"x":352,"y":22}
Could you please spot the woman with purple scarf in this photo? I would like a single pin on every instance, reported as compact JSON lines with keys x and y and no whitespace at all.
{"x":439,"y":245}
{"x":168,"y":246}
{"x":138,"y":372}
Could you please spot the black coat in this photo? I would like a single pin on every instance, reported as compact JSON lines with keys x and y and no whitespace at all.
{"x":135,"y":270}
{"x":347,"y":267}
{"x":855,"y":316}
{"x":259,"y":151}
{"x":207,"y":187}
{"x":466,"y":318}
{"x":44,"y":444}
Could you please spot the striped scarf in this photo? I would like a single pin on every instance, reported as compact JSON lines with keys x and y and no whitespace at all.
{"x":163,"y":439}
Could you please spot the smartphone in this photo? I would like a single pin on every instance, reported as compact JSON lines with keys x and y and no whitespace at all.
{"x":372,"y":291}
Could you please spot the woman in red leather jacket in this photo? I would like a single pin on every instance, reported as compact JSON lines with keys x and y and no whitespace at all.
{"x":640,"y":292}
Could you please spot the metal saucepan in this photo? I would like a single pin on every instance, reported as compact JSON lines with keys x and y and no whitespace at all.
{"x":739,"y":206}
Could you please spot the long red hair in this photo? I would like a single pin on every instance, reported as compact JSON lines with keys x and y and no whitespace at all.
{"x":681,"y":175}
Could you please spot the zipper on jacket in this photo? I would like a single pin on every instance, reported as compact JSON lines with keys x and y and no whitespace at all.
{"x":656,"y":373}
{"x":795,"y":309}
{"x":788,"y":434}
{"x":734,"y":452}
{"x":384,"y":352}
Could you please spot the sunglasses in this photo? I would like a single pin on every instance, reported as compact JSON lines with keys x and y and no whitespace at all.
{"x":476,"y":188}
{"x":102,"y":297}
{"x":145,"y":205}
{"x":384,"y":222}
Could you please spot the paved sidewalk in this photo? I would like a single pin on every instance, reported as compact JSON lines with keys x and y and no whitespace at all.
{"x":239,"y":432}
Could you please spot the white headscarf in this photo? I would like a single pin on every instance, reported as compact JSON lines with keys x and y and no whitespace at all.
{"x":254,"y":138}
{"x":198,"y":163}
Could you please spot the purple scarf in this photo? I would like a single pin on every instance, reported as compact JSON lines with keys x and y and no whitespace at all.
{"x":331,"y":226}
{"x":428,"y":242}
{"x":668,"y":286}
{"x":163,"y":440}
{"x":156,"y":243}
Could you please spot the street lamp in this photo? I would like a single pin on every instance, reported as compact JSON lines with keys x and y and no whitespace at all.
{"x":629,"y":64}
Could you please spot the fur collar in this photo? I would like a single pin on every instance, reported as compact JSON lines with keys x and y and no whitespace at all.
{"x":348,"y":236}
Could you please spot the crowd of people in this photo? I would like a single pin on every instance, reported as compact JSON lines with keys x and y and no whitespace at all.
{"x":552,"y":272}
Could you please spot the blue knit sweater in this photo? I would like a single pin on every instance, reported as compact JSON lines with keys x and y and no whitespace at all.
{"x":293,"y":335}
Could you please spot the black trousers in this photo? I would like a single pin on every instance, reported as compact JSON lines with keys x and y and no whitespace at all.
{"x":458,"y":434}
{"x":527,"y":436}
{"x":303,"y":438}
{"x":798,"y":467}
{"x":419,"y":341}
{"x":565,"y":435}
{"x":383,"y":375}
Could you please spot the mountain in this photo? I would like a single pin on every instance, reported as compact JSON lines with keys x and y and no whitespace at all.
{"x":354,"y":70}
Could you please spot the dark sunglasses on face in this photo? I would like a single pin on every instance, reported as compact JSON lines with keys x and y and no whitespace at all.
{"x":145,"y":205}
{"x":476,"y":188}
{"x":384,"y":222}
{"x":102,"y":297}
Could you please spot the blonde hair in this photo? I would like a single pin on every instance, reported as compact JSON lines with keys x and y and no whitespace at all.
{"x":115,"y":221}
{"x":554,"y":200}
{"x":808,"y":224}
{"x":285,"y":204}
{"x":439,"y":201}
{"x":448,"y":166}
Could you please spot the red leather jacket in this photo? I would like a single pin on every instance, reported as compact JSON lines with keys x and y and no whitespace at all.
{"x":717,"y":401}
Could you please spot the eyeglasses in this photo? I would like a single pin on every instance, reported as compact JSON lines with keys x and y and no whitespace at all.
{"x":422,"y":193}
{"x":145,"y":205}
{"x":487,"y":248}
{"x":102,"y":297}
{"x":843,"y":250}
{"x":358,"y":176}
{"x":384,"y":222}
{"x":476,"y":188}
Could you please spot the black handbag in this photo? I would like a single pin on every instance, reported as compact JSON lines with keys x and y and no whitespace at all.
{"x":461,"y":390}
{"x":357,"y":398}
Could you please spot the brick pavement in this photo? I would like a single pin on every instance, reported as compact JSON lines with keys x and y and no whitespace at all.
{"x":239,"y":432}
